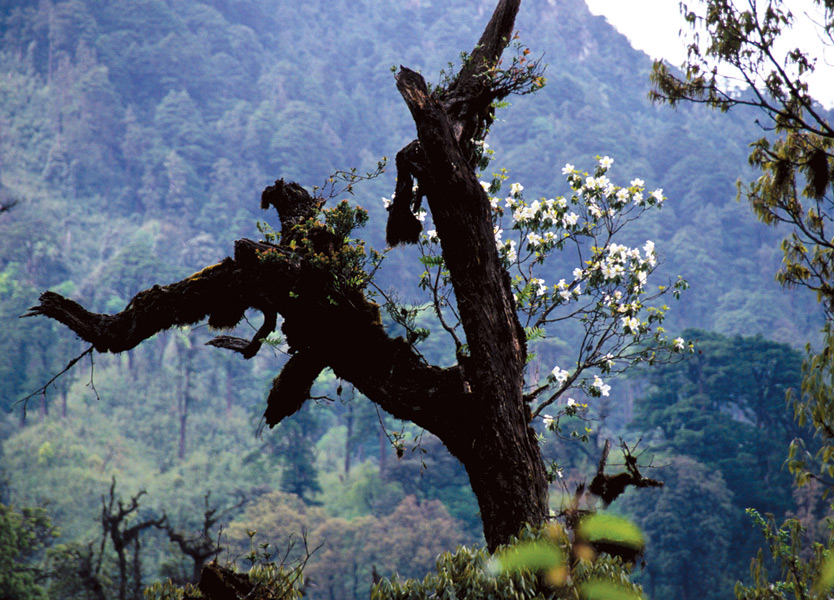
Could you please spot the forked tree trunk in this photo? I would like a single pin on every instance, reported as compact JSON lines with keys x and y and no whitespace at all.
{"x":475,"y":407}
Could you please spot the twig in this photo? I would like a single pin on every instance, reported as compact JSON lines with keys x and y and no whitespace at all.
{"x":42,"y":390}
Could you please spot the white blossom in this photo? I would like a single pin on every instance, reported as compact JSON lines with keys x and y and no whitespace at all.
{"x":641,"y":276}
{"x":534,"y":239}
{"x":515,"y":189}
{"x":648,"y":249}
{"x":631,"y":324}
{"x":605,"y":162}
{"x":679,"y":344}
{"x":609,"y":361}
{"x":560,"y":375}
{"x":602,"y":388}
{"x":611,"y":271}
{"x":595,"y":211}
{"x":567,"y":169}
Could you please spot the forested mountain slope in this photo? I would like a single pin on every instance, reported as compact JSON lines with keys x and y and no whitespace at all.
{"x":173,"y":116}
{"x":137,"y":136}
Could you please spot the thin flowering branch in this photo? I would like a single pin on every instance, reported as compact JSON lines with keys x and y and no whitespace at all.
{"x":440,"y":290}
{"x":606,"y":292}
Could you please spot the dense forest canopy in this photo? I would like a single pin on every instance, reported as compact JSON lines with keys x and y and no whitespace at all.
{"x":135,"y":139}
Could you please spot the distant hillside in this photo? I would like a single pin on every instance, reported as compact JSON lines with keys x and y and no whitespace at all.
{"x":180,"y":113}
{"x":138,"y":135}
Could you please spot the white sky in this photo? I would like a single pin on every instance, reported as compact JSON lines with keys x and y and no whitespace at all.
{"x":657,"y":35}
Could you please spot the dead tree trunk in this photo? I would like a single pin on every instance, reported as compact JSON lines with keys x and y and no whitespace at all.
{"x":475,"y":407}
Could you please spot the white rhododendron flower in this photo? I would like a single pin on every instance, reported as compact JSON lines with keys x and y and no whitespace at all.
{"x":560,"y":375}
{"x":598,"y":385}
{"x":631,"y":324}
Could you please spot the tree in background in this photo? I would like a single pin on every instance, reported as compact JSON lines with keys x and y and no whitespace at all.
{"x":487,"y":293}
{"x":743,"y":43}
{"x":741,"y":64}
{"x":24,"y":535}
{"x":722,"y":411}
{"x":690,"y":518}
{"x":725,"y":407}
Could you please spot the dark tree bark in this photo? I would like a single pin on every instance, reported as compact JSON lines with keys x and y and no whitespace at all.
{"x":475,"y":407}
{"x":114,"y":515}
{"x":201,"y":547}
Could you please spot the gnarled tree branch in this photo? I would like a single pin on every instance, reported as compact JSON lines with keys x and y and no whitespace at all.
{"x":476,"y":408}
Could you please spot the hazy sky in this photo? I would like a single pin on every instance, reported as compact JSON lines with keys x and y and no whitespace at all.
{"x":657,"y":35}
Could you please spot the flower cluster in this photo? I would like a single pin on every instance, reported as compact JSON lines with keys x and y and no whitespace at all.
{"x":606,"y":289}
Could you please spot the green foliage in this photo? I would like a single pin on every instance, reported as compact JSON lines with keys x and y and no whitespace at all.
{"x":813,"y":406}
{"x":540,"y":564}
{"x":688,"y":523}
{"x":24,"y":535}
{"x":795,"y":164}
{"x":266,"y":579}
{"x":740,"y":40}
{"x":610,"y":529}
{"x":804,"y":569}
{"x":131,"y":130}
{"x":79,"y":571}
{"x":406,"y":541}
{"x":344,"y":260}
{"x":715,"y":407}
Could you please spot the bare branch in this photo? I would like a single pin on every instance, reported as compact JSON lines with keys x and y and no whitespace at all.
{"x":609,"y":487}
{"x":43,"y":388}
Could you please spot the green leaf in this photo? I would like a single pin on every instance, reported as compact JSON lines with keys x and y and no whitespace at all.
{"x":600,"y":527}
{"x":534,"y":556}
{"x":607,"y":590}
{"x":826,"y":579}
